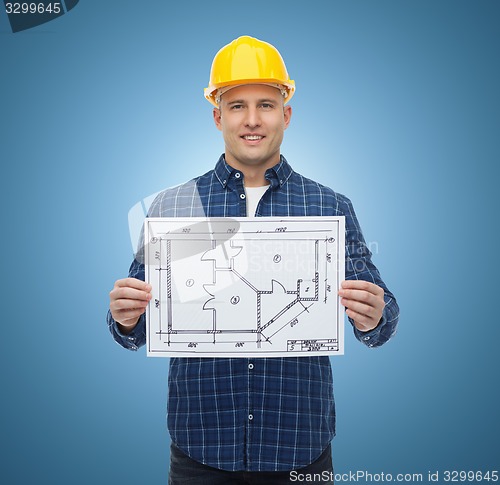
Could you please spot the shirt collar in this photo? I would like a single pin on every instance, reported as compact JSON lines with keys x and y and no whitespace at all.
{"x":277,"y":175}
{"x":223,"y":171}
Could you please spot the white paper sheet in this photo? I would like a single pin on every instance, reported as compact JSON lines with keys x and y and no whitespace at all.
{"x":245,"y":287}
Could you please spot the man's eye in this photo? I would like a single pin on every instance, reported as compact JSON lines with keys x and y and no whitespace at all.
{"x":267,"y":106}
{"x":236,"y":106}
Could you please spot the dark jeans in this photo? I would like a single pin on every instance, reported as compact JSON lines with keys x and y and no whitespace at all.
{"x":186,"y":470}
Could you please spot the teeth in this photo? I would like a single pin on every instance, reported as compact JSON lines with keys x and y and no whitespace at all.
{"x":252,"y":137}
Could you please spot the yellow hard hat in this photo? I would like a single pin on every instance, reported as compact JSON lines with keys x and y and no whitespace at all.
{"x":247,"y":60}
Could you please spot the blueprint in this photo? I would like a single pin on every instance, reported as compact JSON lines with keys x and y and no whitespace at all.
{"x":244,"y":287}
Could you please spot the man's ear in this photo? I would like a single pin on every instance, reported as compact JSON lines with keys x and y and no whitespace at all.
{"x":287,"y":113}
{"x":217,"y":118}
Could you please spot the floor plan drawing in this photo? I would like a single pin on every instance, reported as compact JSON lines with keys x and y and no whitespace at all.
{"x":244,"y":287}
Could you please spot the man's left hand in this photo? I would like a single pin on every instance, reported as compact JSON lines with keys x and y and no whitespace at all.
{"x":364,"y":302}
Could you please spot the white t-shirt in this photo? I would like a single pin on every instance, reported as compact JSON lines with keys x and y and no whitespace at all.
{"x":254,"y":194}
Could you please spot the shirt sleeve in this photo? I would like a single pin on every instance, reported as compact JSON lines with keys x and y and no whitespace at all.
{"x":359,"y":266}
{"x":137,"y":337}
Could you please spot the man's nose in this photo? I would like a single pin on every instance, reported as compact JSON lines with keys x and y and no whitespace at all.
{"x":252,"y":117}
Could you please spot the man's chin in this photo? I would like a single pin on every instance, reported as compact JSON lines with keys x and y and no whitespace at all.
{"x":256,"y":161}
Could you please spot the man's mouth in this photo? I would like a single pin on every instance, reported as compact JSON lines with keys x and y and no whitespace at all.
{"x":252,"y":137}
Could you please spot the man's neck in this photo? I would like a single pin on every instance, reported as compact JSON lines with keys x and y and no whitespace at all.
{"x":254,"y":178}
{"x":254,"y":175}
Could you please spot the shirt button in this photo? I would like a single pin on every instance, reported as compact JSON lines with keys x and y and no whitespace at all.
{"x":366,"y":338}
{"x":242,"y":196}
{"x":250,"y":366}
{"x":250,"y":417}
{"x":237,"y":175}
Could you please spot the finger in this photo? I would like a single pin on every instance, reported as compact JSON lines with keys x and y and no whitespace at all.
{"x":126,"y":316}
{"x":127,"y":293}
{"x":362,"y":296}
{"x":362,"y":285}
{"x":359,"y":308}
{"x":362,"y":322}
{"x":125,"y":304}
{"x":133,"y":283}
{"x":125,"y":311}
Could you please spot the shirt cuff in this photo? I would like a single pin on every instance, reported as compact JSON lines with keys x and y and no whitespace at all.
{"x":370,"y":338}
{"x":131,"y":341}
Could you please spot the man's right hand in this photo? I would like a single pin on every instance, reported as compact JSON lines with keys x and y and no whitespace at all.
{"x":128,"y":301}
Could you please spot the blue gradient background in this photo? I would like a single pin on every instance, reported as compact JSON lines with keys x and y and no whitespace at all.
{"x":397,"y":106}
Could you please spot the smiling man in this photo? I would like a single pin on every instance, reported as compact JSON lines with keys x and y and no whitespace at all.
{"x":253,"y":126}
{"x":260,"y":420}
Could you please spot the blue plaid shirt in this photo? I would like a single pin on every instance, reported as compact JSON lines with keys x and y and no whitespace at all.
{"x":265,"y":414}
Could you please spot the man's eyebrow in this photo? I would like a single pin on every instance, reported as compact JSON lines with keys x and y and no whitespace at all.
{"x":263,"y":100}
{"x":268,"y":100}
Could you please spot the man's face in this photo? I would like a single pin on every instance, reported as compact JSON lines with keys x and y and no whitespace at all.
{"x":252,"y":119}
